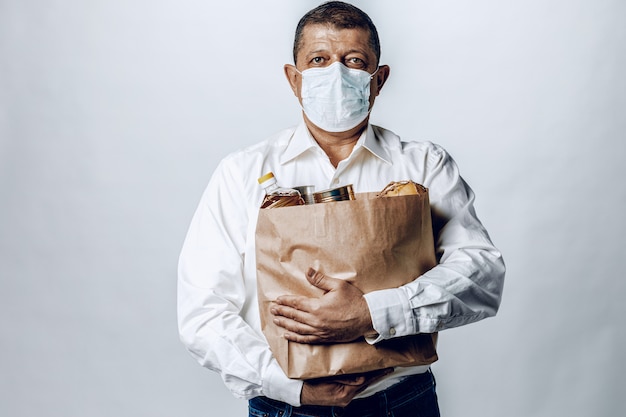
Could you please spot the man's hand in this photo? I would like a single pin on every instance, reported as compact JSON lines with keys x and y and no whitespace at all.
{"x":340,"y":315}
{"x":338,"y":391}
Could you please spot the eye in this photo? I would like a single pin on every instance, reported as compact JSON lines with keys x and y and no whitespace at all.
{"x":318,"y":60}
{"x":355,"y":62}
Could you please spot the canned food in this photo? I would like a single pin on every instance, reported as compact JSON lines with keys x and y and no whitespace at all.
{"x":306,"y":191}
{"x":335,"y":194}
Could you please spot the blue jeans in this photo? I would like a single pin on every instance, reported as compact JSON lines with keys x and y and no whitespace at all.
{"x":413,"y":397}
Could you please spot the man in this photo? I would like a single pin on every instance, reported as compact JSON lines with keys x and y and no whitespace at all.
{"x":336,"y":77}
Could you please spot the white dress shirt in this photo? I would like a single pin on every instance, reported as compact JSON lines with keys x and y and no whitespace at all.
{"x":218,"y":314}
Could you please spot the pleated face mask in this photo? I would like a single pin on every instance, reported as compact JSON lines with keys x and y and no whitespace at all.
{"x":336,"y":98}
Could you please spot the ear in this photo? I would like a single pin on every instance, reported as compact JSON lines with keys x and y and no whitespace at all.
{"x":381,"y":77}
{"x":293,"y":76}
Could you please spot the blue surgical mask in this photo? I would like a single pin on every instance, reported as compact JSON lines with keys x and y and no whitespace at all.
{"x":336,"y":98}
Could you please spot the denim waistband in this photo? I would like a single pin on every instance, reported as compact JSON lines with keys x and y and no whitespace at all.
{"x":408,"y":387}
{"x":391,"y":397}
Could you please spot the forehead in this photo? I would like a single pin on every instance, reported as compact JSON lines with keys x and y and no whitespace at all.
{"x":327,"y":37}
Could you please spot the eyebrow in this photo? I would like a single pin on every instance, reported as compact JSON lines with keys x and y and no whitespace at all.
{"x":317,"y":51}
{"x":360,"y":51}
{"x":351,"y":51}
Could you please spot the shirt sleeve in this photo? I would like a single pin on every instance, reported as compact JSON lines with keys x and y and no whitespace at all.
{"x":465,"y":286}
{"x":212,"y":296}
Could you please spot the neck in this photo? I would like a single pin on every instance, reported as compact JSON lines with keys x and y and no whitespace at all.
{"x":337,"y":145}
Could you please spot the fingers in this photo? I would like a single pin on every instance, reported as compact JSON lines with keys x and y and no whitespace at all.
{"x":362,"y":378}
{"x":330,"y":392}
{"x":357,"y":383}
{"x":339,"y":315}
{"x":353,"y":380}
{"x":295,"y":324}
{"x":295,"y":311}
{"x":339,"y":390}
{"x":308,"y":339}
{"x":296,"y":302}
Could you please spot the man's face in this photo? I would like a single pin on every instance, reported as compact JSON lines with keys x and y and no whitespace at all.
{"x":323,"y":45}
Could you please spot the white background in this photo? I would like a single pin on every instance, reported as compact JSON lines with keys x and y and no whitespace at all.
{"x":114,"y":113}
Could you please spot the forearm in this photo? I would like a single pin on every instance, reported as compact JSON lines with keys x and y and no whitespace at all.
{"x":452,"y":294}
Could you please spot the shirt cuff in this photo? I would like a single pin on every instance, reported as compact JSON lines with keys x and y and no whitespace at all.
{"x":277,"y":386}
{"x":391,"y":314}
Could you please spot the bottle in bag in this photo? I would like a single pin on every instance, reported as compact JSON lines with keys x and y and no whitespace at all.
{"x":276,"y":196}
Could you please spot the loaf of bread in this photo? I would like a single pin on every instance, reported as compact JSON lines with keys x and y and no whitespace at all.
{"x":396,"y":188}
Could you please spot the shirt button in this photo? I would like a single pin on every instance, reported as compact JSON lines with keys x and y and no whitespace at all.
{"x":336,"y":181}
{"x":392,"y":331}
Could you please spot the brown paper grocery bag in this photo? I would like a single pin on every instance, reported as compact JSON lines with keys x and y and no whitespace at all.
{"x":373,"y":242}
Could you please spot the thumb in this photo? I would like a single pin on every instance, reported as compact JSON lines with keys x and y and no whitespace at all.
{"x":320,"y":280}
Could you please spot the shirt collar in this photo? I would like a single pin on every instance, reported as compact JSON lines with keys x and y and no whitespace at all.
{"x":372,"y":142}
{"x":302,"y":140}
